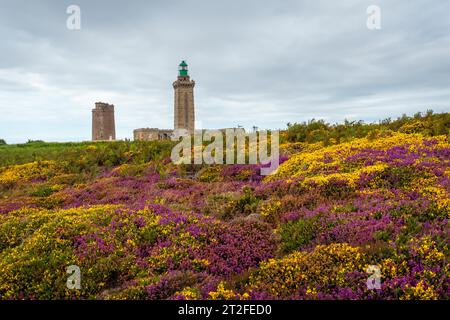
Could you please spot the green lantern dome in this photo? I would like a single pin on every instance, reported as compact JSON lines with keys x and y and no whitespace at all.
{"x":183,"y":69}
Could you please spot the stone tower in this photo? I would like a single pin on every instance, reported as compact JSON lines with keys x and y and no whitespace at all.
{"x":103,"y":125}
{"x":184,"y":114}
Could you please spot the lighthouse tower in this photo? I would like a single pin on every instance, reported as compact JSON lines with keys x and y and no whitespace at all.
{"x":184,"y":114}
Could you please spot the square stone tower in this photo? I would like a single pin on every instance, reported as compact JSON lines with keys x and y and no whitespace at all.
{"x":103,"y":124}
{"x":184,"y":113}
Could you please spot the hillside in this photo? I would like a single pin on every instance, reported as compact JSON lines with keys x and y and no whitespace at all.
{"x":346,"y":197}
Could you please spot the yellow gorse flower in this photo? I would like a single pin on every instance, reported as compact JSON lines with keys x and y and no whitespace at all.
{"x":26,"y":171}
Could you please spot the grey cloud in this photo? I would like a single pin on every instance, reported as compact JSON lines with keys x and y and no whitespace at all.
{"x":261,"y":63}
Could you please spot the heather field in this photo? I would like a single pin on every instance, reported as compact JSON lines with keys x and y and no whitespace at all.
{"x":345,"y":197}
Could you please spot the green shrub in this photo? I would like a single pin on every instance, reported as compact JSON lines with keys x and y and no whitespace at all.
{"x":42,"y":191}
{"x":230,"y":205}
{"x":382,"y":235}
{"x":296,"y":234}
{"x":428,"y":124}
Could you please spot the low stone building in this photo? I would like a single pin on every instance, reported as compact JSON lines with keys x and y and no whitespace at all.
{"x":150,"y":134}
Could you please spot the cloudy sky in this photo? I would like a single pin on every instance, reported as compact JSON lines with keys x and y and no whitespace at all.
{"x":263,"y":63}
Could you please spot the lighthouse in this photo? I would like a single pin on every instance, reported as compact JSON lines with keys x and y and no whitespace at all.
{"x":184,"y":112}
